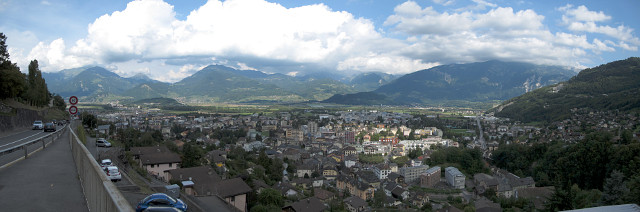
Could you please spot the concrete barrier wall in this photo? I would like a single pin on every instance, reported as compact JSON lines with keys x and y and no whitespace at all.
{"x":101,"y":194}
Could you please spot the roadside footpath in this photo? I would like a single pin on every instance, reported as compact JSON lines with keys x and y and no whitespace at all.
{"x":45,"y":181}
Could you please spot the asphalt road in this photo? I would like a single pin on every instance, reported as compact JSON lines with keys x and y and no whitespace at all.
{"x":21,"y":137}
{"x":45,"y":181}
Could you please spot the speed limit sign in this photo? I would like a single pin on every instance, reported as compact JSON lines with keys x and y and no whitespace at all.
{"x":73,"y":110}
{"x":73,"y":100}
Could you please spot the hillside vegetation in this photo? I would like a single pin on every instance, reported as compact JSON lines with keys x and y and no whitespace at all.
{"x":612,"y":86}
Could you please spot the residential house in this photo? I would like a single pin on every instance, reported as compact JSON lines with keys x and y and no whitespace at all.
{"x":419,"y":199}
{"x":203,"y":181}
{"x":400,"y":193}
{"x":350,"y":151}
{"x":354,"y":187}
{"x":158,"y":163}
{"x":303,"y":170}
{"x":234,"y":192}
{"x":355,"y":204}
{"x":323,"y":195}
{"x":381,"y":170}
{"x":286,"y":189}
{"x":396,"y":178}
{"x":485,"y":182}
{"x":310,"y":204}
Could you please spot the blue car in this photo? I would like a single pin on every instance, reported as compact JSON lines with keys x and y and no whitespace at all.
{"x":160,"y":200}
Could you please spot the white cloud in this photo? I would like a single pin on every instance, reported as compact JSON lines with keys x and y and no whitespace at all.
{"x":500,"y":33}
{"x":147,"y":37}
{"x":266,"y":33}
{"x":582,"y":13}
{"x":581,"y":19}
{"x":443,"y":2}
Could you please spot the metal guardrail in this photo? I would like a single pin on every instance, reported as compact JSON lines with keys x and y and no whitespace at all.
{"x":100,"y":192}
{"x":11,"y":155}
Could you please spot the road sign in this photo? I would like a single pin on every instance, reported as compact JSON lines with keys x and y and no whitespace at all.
{"x":73,"y":110}
{"x":73,"y":100}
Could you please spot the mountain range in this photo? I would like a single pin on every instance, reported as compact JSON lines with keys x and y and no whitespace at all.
{"x":474,"y":82}
{"x":612,"y":86}
{"x":213,"y":83}
{"x":489,"y":81}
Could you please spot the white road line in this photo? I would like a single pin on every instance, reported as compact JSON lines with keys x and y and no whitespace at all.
{"x":25,"y":138}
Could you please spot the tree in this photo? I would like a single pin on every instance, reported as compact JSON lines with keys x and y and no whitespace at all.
{"x":614,"y":189}
{"x":415,"y":153}
{"x":191,"y":155}
{"x":378,"y":198}
{"x":269,"y":196}
{"x":37,"y":92}
{"x":58,"y":102}
{"x":12,"y":81}
{"x":634,"y":192}
{"x":4,"y":53}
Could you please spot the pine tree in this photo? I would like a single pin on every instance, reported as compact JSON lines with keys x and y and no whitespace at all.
{"x":614,"y":189}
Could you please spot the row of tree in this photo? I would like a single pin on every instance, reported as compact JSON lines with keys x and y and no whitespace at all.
{"x":31,"y":88}
{"x":598,"y":170}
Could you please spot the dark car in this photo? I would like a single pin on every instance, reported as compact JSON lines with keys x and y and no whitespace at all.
{"x":160,"y":200}
{"x":49,"y":126}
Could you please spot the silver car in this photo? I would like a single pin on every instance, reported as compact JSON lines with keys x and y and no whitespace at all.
{"x":38,"y":125}
{"x":101,"y":142}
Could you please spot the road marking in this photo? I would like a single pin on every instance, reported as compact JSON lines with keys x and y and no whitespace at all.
{"x":26,"y":138}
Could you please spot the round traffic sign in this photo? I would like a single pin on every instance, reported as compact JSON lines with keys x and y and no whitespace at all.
{"x":73,"y":100}
{"x":73,"y":110}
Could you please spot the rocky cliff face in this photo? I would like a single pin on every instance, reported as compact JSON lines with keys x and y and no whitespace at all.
{"x":12,"y":118}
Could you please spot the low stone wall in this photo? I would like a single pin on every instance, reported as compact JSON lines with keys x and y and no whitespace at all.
{"x":101,"y":194}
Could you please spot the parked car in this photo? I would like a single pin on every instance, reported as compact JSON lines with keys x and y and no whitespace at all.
{"x":49,"y":126}
{"x":160,"y":200}
{"x":113,"y":173}
{"x":105,"y":163}
{"x":101,"y":142}
{"x":37,"y":125}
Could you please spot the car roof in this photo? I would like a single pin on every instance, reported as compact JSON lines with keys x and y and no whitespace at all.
{"x":112,"y":168}
{"x":106,"y":160}
{"x":159,"y":195}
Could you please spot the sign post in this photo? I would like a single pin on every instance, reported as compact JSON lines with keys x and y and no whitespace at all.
{"x":73,"y":100}
{"x":73,"y":110}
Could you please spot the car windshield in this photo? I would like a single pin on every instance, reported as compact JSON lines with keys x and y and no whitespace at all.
{"x":37,"y":122}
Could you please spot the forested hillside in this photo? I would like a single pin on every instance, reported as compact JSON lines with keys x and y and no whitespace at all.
{"x":612,"y":86}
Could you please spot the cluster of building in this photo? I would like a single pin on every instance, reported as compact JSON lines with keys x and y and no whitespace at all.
{"x":324,"y":149}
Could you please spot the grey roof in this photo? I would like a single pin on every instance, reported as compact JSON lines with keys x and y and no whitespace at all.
{"x":160,"y":158}
{"x":618,"y":208}
{"x":231,"y":187}
{"x":148,"y":150}
{"x":310,"y":204}
{"x":453,"y":171}
{"x":433,"y":170}
{"x":355,"y":202}
{"x":199,"y":175}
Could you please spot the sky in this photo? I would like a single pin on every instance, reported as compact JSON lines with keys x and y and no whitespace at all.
{"x":172,"y":39}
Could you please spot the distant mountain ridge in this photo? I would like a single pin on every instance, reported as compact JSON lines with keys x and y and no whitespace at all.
{"x":612,"y":86}
{"x":473,"y":82}
{"x":215,"y":83}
